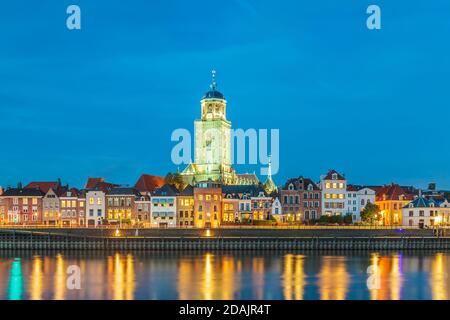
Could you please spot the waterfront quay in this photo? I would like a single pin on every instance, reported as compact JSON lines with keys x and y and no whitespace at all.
{"x":224,"y":239}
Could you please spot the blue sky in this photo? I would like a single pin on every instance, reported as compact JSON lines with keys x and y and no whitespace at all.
{"x":103,"y":101}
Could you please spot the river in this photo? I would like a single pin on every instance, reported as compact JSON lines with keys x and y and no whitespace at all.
{"x":224,"y":275}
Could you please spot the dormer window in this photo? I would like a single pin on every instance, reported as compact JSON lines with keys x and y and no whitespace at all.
{"x":261,"y":194}
{"x":291,"y":186}
{"x":310,"y":187}
{"x":334,"y":176}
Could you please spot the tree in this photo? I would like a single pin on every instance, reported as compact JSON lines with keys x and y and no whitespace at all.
{"x":175,"y":179}
{"x":370,"y":213}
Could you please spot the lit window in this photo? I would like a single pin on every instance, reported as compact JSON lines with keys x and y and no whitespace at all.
{"x":327,"y":185}
{"x":91,"y":200}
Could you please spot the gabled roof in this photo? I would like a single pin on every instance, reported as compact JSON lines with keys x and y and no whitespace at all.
{"x":330,"y":173}
{"x":123,"y":191}
{"x":70,"y":193}
{"x":99,"y":184}
{"x":25,"y":192}
{"x":238,"y":191}
{"x":307,"y":182}
{"x":44,"y":186}
{"x":392,"y":192}
{"x":301,"y":183}
{"x":167,"y":190}
{"x":188,"y":191}
{"x":148,"y":183}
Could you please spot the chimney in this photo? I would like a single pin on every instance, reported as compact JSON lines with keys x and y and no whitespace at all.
{"x":59,"y":182}
{"x":19,"y":185}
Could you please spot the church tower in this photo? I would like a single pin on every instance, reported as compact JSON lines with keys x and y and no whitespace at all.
{"x":212,"y":140}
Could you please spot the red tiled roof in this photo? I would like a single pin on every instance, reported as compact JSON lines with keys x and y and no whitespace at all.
{"x":92,"y":182}
{"x":351,"y":187}
{"x":43,"y":186}
{"x":100,"y":184}
{"x":148,"y":183}
{"x":330,"y":175}
{"x":392,"y":192}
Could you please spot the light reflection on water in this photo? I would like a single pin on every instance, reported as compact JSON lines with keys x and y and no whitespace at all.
{"x":231,"y":275}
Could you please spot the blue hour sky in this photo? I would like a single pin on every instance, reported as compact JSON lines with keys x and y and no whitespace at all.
{"x":104,"y":100}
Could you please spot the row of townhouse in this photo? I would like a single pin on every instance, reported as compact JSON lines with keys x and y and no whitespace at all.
{"x":206,"y":205}
{"x":304,"y":200}
{"x":152,"y":203}
{"x":50,"y":203}
{"x":210,"y":204}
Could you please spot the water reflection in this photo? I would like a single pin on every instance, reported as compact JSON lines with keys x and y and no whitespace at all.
{"x":438,"y":279}
{"x":15,"y":280}
{"x":333,"y":278}
{"x":293,"y":277}
{"x":36,"y":279}
{"x":215,"y":275}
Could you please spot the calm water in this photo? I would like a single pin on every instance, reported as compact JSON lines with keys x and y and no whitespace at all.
{"x":237,"y":275}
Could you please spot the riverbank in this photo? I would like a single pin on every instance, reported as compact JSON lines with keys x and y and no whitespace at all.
{"x":222,"y":239}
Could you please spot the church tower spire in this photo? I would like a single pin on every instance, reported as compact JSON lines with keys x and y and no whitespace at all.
{"x":213,"y":84}
{"x":269,"y":185}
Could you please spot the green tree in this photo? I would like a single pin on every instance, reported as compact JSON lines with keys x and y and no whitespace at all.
{"x":370,"y":213}
{"x":175,"y":179}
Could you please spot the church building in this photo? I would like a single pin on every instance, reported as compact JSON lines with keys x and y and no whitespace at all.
{"x":213,"y":144}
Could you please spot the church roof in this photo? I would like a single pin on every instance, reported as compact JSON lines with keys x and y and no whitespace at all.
{"x":247,"y":178}
{"x":213,"y":94}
